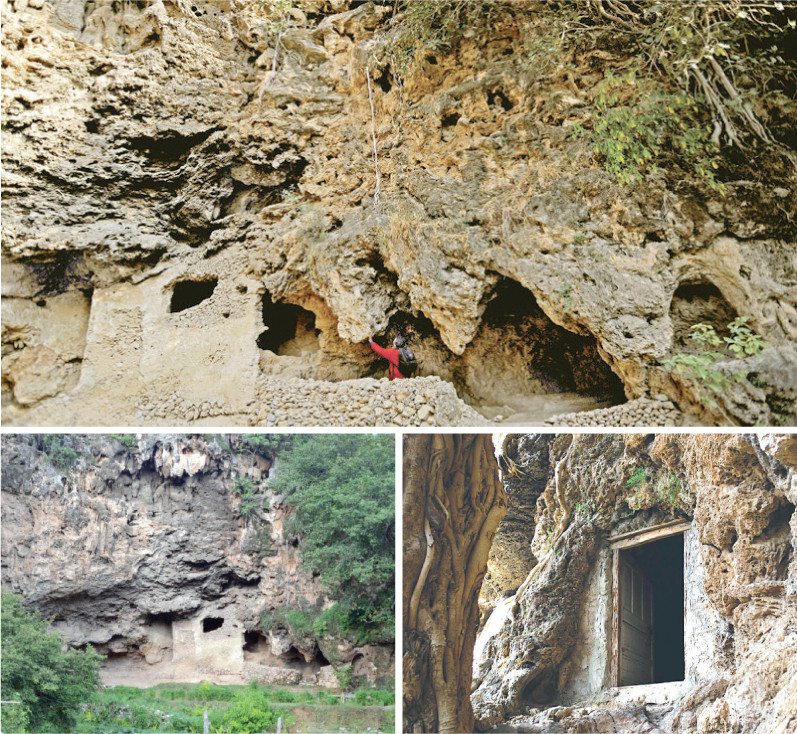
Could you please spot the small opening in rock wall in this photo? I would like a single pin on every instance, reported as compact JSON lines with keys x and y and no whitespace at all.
{"x":190,"y":293}
{"x":450,"y":120}
{"x":212,"y":623}
{"x":251,"y":640}
{"x":290,"y":329}
{"x":320,"y":658}
{"x":384,"y":80}
{"x":292,"y":654}
{"x":497,"y":96}
{"x":698,"y":302}
{"x":778,"y":529}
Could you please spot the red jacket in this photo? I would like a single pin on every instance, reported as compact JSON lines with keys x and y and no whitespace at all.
{"x":392,"y":356}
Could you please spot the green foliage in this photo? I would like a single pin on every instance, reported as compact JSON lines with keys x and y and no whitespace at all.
{"x":250,"y":711}
{"x":734,"y":53}
{"x":308,"y":623}
{"x":251,"y":497}
{"x":128,"y":440}
{"x":665,"y":489}
{"x":342,"y":488}
{"x":265,"y":444}
{"x":668,"y":489}
{"x":742,"y":342}
{"x":299,"y":622}
{"x":639,"y":121}
{"x":179,"y":708}
{"x":374,"y":697}
{"x":639,"y":477}
{"x":344,"y":676}
{"x":50,"y":683}
{"x":59,"y":451}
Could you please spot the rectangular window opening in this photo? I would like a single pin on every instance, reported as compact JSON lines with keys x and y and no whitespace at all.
{"x":648,"y":607}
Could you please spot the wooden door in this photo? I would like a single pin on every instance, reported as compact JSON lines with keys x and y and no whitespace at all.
{"x":636,"y":624}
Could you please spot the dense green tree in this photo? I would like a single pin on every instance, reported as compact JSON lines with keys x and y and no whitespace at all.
{"x":50,"y":682}
{"x":343,"y":489}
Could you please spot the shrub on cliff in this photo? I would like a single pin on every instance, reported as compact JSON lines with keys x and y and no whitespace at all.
{"x":49,"y":682}
{"x":343,"y":489}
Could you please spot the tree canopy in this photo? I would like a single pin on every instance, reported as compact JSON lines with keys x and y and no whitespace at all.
{"x":343,"y":489}
{"x":49,"y":682}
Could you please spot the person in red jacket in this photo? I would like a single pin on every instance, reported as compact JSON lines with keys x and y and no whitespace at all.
{"x":391,"y":355}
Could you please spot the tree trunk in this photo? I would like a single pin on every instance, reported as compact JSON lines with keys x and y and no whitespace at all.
{"x":453,"y":502}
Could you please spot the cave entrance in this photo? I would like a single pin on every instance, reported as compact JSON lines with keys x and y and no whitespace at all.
{"x":648,"y":606}
{"x":698,"y":302}
{"x":545,"y":357}
{"x":290,"y":329}
{"x":520,"y":361}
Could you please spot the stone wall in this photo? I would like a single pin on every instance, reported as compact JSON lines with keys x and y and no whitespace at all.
{"x":132,"y":547}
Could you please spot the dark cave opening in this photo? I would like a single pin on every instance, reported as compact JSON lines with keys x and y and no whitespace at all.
{"x":162,"y":617}
{"x":778,"y":529}
{"x":209,"y":624}
{"x":497,"y":96}
{"x":385,"y":80}
{"x":518,"y":361}
{"x":252,"y":641}
{"x":290,"y":329}
{"x":172,"y":147}
{"x":319,"y":658}
{"x":651,"y":608}
{"x":189,"y":293}
{"x":698,"y":302}
{"x":292,"y":654}
{"x":547,"y":357}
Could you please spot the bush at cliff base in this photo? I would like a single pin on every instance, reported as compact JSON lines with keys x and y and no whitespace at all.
{"x":50,"y":683}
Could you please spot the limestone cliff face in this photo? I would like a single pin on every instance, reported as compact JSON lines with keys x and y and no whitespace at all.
{"x":543,"y":657}
{"x":143,"y":552}
{"x":177,"y":198}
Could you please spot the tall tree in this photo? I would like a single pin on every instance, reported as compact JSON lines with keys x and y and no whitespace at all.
{"x":49,"y":683}
{"x":453,"y":502}
{"x":343,"y":488}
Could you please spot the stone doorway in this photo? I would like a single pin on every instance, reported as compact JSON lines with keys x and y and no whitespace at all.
{"x":648,"y":606}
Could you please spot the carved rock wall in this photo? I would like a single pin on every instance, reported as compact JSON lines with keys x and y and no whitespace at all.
{"x":542,"y":657}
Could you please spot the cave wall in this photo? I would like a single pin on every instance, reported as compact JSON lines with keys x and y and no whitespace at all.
{"x":545,"y":642}
{"x":178,"y":150}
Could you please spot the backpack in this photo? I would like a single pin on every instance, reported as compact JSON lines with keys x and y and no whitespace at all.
{"x":407,"y":365}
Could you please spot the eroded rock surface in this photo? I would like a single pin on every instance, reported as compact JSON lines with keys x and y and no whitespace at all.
{"x":143,"y":552}
{"x":542,"y":660}
{"x":187,"y":212}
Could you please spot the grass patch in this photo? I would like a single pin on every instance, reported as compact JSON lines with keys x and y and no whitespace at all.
{"x":170,"y":707}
